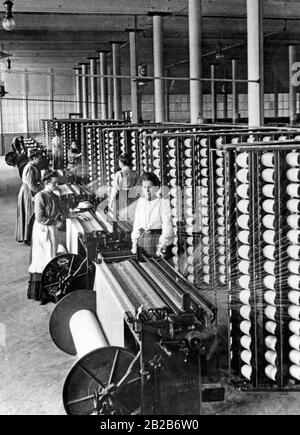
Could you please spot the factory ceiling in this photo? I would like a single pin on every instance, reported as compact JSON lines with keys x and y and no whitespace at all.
{"x":68,"y":31}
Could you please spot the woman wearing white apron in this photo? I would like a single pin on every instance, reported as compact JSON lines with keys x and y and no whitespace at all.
{"x":48,"y":218}
{"x":153,"y":230}
{"x":125,"y":190}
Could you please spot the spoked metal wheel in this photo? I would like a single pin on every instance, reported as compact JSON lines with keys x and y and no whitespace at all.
{"x":104,"y":382}
{"x":66,"y":274}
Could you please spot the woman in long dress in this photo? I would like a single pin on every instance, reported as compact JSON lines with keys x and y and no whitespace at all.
{"x":31,"y":178}
{"x":125,"y":190}
{"x":48,"y":219}
{"x":153,"y":230}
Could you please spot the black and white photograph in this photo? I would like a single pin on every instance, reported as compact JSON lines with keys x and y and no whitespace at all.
{"x":149,"y":210}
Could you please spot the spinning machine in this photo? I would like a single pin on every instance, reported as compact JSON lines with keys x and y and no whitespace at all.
{"x":263,"y":265}
{"x":154,"y":359}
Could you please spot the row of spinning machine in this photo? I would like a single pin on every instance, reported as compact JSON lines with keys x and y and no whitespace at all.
{"x":264,"y":264}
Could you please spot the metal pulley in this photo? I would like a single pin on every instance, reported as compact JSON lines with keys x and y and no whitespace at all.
{"x":105,"y":380}
{"x":65,"y":274}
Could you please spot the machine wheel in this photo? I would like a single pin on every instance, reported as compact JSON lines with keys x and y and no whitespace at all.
{"x":104,"y":382}
{"x":66,"y":274}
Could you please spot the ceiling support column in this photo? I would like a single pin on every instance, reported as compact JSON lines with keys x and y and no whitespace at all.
{"x":85,"y":90}
{"x":93,"y":84}
{"x":103,"y":85}
{"x":195,"y":41}
{"x":116,"y":53}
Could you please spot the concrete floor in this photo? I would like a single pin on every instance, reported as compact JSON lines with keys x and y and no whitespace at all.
{"x":32,"y":369}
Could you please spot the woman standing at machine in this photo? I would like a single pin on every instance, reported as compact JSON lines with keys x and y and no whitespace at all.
{"x":74,"y":160}
{"x":31,"y":178}
{"x":57,"y":151}
{"x":125,"y":189}
{"x":153,"y":227}
{"x":48,"y":220}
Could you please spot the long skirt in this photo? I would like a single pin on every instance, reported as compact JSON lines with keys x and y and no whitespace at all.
{"x":25,"y":211}
{"x":44,"y":249}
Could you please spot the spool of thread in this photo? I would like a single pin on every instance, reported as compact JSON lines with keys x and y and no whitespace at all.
{"x":270,"y":312}
{"x":244,"y":252}
{"x":221,"y":221}
{"x":172,"y":153}
{"x":189,"y":221}
{"x":269,"y":206}
{"x":246,"y":357}
{"x":245,"y":296}
{"x":189,"y":192}
{"x":243,"y":175}
{"x":243,"y":222}
{"x":269,"y":237}
{"x":267,"y":160}
{"x":293,"y":159}
{"x":156,"y":153}
{"x":220,"y":182}
{"x":294,"y":221}
{"x":271,"y":372}
{"x":203,"y":142}
{"x":294,"y":252}
{"x":268,"y":175}
{"x":220,"y":191}
{"x":294,"y":237}
{"x":243,"y":191}
{"x":205,"y":231}
{"x":242,"y":160}
{"x":269,"y":252}
{"x":270,"y":297}
{"x":269,"y":267}
{"x":294,"y":282}
{"x":293,"y":205}
{"x":220,"y":172}
{"x":204,"y":173}
{"x":269,"y":221}
{"x":245,"y":327}
{"x":220,"y":202}
{"x":221,"y":231}
{"x":206,"y":260}
{"x":271,"y":357}
{"x":269,"y":191}
{"x":206,"y":270}
{"x":188,"y":153}
{"x":293,"y":175}
{"x":243,"y":237}
{"x":203,"y":152}
{"x":205,"y":241}
{"x":295,"y":357}
{"x":204,"y":163}
{"x":271,"y":327}
{"x":294,"y":312}
{"x":172,"y":171}
{"x":222,"y":260}
{"x":295,"y":342}
{"x":219,"y":162}
{"x":271,"y":342}
{"x":172,"y":163}
{"x":206,"y":279}
{"x":295,"y":372}
{"x":205,"y":250}
{"x":245,"y":312}
{"x":294,"y":327}
{"x":188,"y":142}
{"x":204,"y":191}
{"x":175,"y":251}
{"x":247,"y":372}
{"x":293,"y":190}
{"x":221,"y":211}
{"x":244,"y":267}
{"x":222,"y":270}
{"x":243,"y":206}
{"x":244,"y":282}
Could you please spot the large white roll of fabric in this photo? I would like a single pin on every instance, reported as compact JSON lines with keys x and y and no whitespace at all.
{"x":86,"y":332}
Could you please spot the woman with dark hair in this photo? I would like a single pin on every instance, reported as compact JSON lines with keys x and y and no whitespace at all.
{"x":48,"y":219}
{"x":153,"y":227}
{"x":124,"y":192}
{"x":31,"y":179}
{"x":18,"y":145}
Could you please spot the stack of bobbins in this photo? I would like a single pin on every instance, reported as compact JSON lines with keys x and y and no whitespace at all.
{"x":143,"y":147}
{"x":221,"y":218}
{"x":122,"y":142}
{"x":270,"y":279}
{"x":205,"y":215}
{"x":111,"y":156}
{"x":156,"y":158}
{"x":243,"y":192}
{"x":293,"y":191}
{"x":174,"y":197}
{"x":90,"y":154}
{"x":133,"y":150}
{"x":99,"y":166}
{"x":188,"y":207}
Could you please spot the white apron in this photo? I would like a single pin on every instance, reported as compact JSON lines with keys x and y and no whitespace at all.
{"x":44,"y":246}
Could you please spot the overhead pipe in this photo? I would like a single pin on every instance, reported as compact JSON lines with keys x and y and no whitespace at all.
{"x":93,"y":87}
